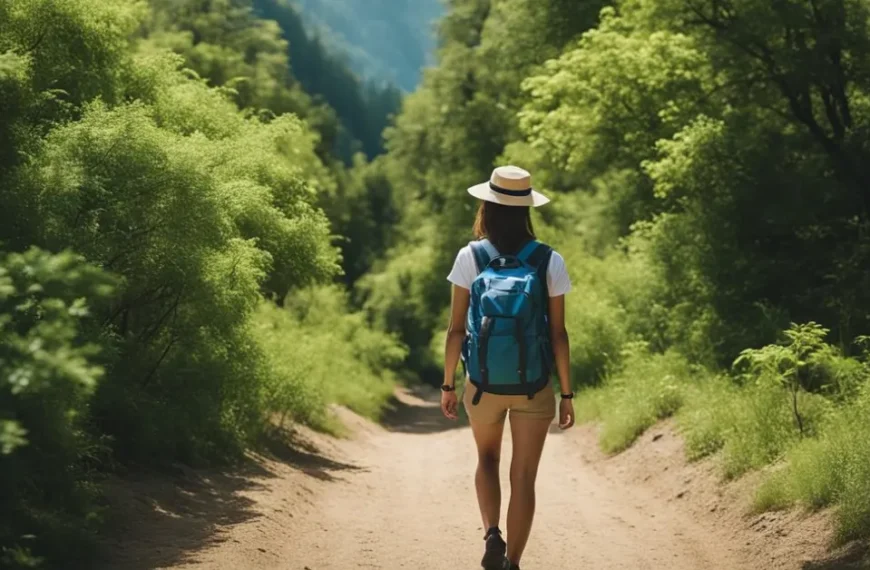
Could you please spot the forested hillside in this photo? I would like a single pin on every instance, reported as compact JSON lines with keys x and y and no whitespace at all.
{"x":363,"y":106}
{"x":389,"y":40}
{"x":255,"y":58}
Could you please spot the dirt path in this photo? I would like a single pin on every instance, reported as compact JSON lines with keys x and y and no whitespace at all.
{"x":403,"y":497}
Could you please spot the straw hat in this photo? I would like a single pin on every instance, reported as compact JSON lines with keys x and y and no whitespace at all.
{"x":510,"y":186}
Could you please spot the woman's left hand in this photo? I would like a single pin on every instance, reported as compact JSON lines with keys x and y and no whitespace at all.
{"x":450,"y":405}
{"x":566,"y":414}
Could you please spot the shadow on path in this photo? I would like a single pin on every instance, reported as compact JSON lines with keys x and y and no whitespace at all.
{"x":418,"y":410}
{"x":160,"y":520}
{"x":283,"y":446}
{"x":853,"y":557}
{"x":164,"y":519}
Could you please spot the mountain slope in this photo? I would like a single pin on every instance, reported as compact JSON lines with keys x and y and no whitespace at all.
{"x":386,"y":40}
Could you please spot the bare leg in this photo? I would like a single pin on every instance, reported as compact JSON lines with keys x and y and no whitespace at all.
{"x":528,"y":444}
{"x":488,"y":439}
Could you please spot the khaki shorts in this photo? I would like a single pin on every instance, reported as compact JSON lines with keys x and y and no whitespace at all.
{"x":493,"y":408}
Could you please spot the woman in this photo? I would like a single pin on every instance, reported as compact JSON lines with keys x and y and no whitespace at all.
{"x":504,"y":227}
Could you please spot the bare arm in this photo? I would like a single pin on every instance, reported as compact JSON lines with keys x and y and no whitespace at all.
{"x":455,"y":333}
{"x":561,"y":345}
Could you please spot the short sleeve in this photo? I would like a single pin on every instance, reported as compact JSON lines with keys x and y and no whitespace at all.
{"x":464,"y":269}
{"x":558,"y":280}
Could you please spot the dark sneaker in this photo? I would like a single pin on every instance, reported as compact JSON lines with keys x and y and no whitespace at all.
{"x":509,"y":566}
{"x":493,"y":558}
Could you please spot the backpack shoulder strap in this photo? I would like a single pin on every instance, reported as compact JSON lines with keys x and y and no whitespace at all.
{"x":538,"y":255}
{"x":525,"y":253}
{"x":535,"y":254}
{"x":481,"y":253}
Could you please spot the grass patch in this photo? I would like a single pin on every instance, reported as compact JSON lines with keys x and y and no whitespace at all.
{"x":830,"y":470}
{"x":751,"y":427}
{"x":801,"y":407}
{"x":645,"y":389}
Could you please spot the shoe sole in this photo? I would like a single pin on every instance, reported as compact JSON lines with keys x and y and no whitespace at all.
{"x":492,"y":561}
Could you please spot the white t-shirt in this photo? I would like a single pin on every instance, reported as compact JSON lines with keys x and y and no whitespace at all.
{"x":465,"y":271}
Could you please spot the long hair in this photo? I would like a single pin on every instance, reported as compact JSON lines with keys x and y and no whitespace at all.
{"x":508,"y":228}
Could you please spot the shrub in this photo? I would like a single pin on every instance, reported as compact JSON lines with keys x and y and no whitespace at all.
{"x":48,"y":371}
{"x":757,"y":416}
{"x":319,"y":353}
{"x":759,"y":427}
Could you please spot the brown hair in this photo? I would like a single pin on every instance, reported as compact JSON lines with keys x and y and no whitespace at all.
{"x":508,"y":228}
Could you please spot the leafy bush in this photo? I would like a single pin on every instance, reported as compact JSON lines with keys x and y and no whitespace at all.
{"x":397,"y":297}
{"x":198,"y":227}
{"x":48,"y":371}
{"x":801,"y":361}
{"x":344,"y":359}
{"x":755,"y":424}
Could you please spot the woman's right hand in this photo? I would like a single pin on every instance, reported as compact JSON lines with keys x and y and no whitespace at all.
{"x":450,"y":405}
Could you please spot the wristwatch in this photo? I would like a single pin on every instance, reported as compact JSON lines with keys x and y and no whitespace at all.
{"x":447,"y":388}
{"x":569,"y":396}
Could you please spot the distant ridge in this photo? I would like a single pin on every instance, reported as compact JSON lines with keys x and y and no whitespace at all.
{"x":384,"y":40}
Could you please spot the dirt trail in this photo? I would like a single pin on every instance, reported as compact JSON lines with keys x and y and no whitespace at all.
{"x":402,"y":496}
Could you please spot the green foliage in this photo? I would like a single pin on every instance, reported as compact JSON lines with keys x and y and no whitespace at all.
{"x":395,"y":300}
{"x":318,"y":353}
{"x":791,"y":364}
{"x":602,"y":105}
{"x":49,"y":368}
{"x":197,"y":228}
{"x":829,"y":470}
{"x":55,"y":55}
{"x":757,"y":426}
{"x":752,"y":426}
{"x":354,"y":360}
{"x":645,"y":389}
{"x":363,"y":212}
{"x":247,"y":47}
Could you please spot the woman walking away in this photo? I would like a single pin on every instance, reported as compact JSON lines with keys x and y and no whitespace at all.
{"x":507,"y":325}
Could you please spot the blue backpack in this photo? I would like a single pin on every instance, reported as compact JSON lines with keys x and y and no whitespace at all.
{"x":507,"y":349}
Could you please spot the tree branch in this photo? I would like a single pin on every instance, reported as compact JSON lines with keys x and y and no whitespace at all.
{"x":153,"y":371}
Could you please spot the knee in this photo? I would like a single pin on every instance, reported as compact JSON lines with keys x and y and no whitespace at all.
{"x":523,"y":478}
{"x":488,"y":460}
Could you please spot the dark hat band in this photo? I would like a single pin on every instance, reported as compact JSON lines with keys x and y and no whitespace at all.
{"x":506,"y":192}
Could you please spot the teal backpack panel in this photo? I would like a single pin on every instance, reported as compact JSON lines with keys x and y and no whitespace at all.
{"x":507,"y":349}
